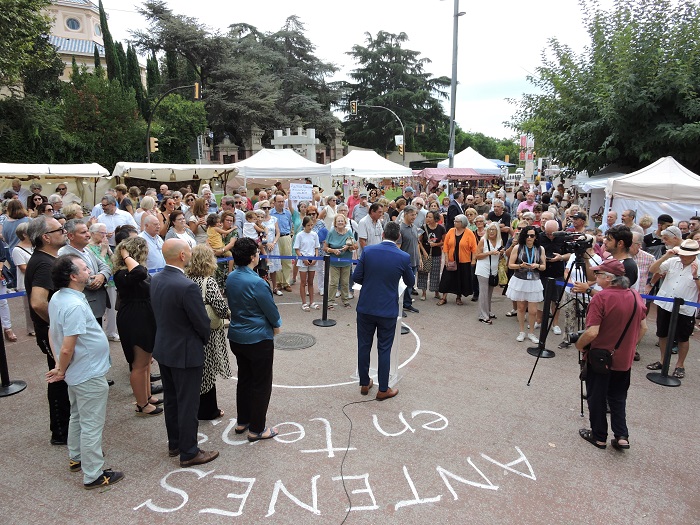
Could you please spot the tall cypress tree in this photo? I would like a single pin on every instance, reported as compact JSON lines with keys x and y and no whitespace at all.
{"x":171,"y":65}
{"x":133,"y":78}
{"x":114,"y":70}
{"x":153,"y":79}
{"x":121,"y":59}
{"x":98,"y":64}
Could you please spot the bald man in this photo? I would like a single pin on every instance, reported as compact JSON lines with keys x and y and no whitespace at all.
{"x":556,"y":263}
{"x":183,"y":329}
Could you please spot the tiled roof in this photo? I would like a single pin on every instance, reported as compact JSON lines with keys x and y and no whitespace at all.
{"x":76,"y":45}
{"x":77,"y":3}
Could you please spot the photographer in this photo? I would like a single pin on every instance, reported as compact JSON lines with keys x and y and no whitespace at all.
{"x":609,"y":310}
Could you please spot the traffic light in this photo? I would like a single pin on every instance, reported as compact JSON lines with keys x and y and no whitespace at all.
{"x":197,"y":92}
{"x":353,"y":107}
{"x":401,"y":149}
{"x":153,"y":144}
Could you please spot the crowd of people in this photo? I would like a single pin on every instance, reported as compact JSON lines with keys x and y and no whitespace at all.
{"x":218,"y":265}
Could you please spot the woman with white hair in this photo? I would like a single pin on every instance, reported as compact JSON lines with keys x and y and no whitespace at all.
{"x":148,"y":207}
{"x":459,"y":247}
{"x":99,"y":246}
{"x":488,"y":253}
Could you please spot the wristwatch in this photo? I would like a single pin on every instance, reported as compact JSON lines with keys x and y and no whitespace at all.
{"x":589,"y":290}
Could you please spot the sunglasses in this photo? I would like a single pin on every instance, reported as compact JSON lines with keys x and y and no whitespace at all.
{"x":48,"y":209}
{"x":531,"y":235}
{"x":61,"y":189}
{"x":265,"y":207}
{"x":38,"y":199}
{"x":312,"y":214}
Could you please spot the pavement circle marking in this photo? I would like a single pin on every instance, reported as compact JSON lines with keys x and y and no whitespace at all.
{"x":345,"y":383}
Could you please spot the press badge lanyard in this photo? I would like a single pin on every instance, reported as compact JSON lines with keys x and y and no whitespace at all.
{"x":530,"y":252}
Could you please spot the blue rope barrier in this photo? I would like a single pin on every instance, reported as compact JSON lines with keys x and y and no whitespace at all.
{"x":644,"y":296}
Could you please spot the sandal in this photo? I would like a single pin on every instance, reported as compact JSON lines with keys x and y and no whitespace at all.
{"x":617,"y":445}
{"x":140,"y":410}
{"x":459,"y":301}
{"x":305,"y":307}
{"x":512,"y":313}
{"x":485,"y":321}
{"x":331,"y":306}
{"x":655,"y":366}
{"x":153,"y":400}
{"x":679,"y":373}
{"x":491,"y":316}
{"x":347,"y":305}
{"x":588,"y":436}
{"x":314,"y":306}
{"x":441,"y":302}
{"x":10,"y":335}
{"x":253,"y":437}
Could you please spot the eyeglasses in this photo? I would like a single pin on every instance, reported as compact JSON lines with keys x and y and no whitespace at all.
{"x":61,"y":189}
{"x":312,"y":214}
{"x":48,"y":209}
{"x":531,"y":235}
{"x":265,"y":207}
{"x":38,"y":199}
{"x":61,"y":229}
{"x":189,"y":200}
{"x":418,"y":204}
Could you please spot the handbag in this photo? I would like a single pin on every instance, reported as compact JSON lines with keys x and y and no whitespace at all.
{"x":493,"y":278}
{"x":451,"y":266}
{"x":216,"y":322}
{"x":599,"y":360}
{"x":502,"y":271}
{"x":427,"y":263}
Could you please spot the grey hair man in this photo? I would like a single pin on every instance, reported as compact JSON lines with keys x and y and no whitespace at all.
{"x":112,"y":217}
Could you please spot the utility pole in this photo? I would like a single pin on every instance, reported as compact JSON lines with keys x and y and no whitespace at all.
{"x":403,"y":130}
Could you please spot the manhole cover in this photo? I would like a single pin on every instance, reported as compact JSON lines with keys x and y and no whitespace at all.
{"x":294,"y":341}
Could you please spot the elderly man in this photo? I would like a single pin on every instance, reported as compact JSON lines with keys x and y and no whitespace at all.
{"x":370,"y":229}
{"x":361,"y":209}
{"x":284,"y":221}
{"x":519,"y":198}
{"x":22,"y":193}
{"x":419,"y":204}
{"x":262,"y":196}
{"x":112,"y":217}
{"x":163,"y":191}
{"x":578,"y":222}
{"x":82,"y":360}
{"x":671,"y":237}
{"x":500,"y":216}
{"x":680,"y":268}
{"x":353,"y":200}
{"x":243,"y":192}
{"x":528,"y":204}
{"x":616,"y":322}
{"x":684,"y":227}
{"x":57,"y":203}
{"x":554,"y":249}
{"x":653,"y":242}
{"x":151,"y":226}
{"x":95,"y":290}
{"x":610,"y":221}
{"x":240,"y":208}
{"x":628,"y":217}
{"x":409,"y":244}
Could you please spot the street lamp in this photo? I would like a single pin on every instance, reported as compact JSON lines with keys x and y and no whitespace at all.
{"x":453,"y":85}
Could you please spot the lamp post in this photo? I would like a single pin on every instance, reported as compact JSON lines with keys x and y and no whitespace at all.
{"x":453,"y":86}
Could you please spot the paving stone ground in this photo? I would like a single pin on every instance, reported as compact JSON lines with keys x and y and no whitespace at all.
{"x":465,"y":441}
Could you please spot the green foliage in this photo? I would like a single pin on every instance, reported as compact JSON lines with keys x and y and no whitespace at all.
{"x":24,"y":30}
{"x":630,"y":98}
{"x":114,"y":67}
{"x":178,"y":123}
{"x":391,"y":76}
{"x":133,"y":80}
{"x":31,"y":131}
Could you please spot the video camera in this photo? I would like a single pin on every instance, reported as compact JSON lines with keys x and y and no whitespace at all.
{"x":576,"y":243}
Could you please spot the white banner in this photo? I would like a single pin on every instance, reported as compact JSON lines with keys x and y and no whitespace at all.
{"x":300,"y":192}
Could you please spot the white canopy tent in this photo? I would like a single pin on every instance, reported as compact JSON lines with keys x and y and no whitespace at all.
{"x":662,"y":187}
{"x":368,"y":165}
{"x":169,"y":172}
{"x":470,"y":158}
{"x":595,"y":187}
{"x":87,"y":181}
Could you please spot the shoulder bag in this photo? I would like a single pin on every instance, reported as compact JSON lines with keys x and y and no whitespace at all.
{"x":216,"y":322}
{"x":493,"y":278}
{"x":599,"y":360}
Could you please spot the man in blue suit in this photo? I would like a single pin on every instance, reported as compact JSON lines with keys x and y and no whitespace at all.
{"x":378,"y":271}
{"x":182,"y":330}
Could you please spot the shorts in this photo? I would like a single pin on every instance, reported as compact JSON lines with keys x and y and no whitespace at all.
{"x":684,"y":326}
{"x":305,"y":268}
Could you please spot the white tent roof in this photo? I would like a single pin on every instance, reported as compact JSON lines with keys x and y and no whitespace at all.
{"x":48,"y":171}
{"x":599,"y":182}
{"x":665,"y":180}
{"x":368,"y":164}
{"x":279,"y":164}
{"x":169,"y":172}
{"x":470,"y":158}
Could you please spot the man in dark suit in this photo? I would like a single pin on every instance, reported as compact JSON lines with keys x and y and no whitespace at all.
{"x":378,"y":271}
{"x":183,"y":329}
{"x":455,"y":208}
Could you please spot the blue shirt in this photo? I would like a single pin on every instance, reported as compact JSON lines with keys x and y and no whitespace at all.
{"x":70,"y":314}
{"x":155,"y":258}
{"x":284,"y":220}
{"x":253,"y":310}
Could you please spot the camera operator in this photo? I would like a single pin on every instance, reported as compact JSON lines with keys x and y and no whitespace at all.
{"x":555,"y":252}
{"x":618,"y":240}
{"x":609,"y":310}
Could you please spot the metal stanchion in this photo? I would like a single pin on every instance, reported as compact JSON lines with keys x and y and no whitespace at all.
{"x":662,"y":378}
{"x":324,"y":321}
{"x":8,"y":387}
{"x":539,"y":350}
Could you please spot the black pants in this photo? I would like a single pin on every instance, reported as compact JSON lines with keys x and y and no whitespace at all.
{"x":57,"y":393}
{"x":208,"y":405}
{"x":254,"y":382}
{"x":612,"y":388}
{"x":181,"y":404}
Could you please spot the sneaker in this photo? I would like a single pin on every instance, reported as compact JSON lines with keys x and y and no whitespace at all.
{"x":74,"y":466}
{"x":532,"y":338}
{"x":556,"y":330}
{"x":278,"y":292}
{"x":113,"y":337}
{"x":351,"y":296}
{"x":108,"y":477}
{"x":512,"y":313}
{"x":337,"y":294}
{"x":521,"y":337}
{"x":537,"y":325}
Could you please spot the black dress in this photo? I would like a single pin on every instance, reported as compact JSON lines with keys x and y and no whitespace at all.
{"x":135,"y":320}
{"x":458,"y":282}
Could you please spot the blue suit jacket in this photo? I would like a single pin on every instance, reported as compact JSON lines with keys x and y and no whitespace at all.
{"x":378,"y":271}
{"x":182,"y":323}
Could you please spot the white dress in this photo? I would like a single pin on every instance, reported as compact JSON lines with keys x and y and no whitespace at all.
{"x":529,"y":290}
{"x":273,"y":265}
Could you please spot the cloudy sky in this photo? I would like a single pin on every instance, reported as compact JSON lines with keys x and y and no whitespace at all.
{"x":500,"y":41}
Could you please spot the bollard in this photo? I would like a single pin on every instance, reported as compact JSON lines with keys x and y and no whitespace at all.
{"x":539,"y":350}
{"x":324,"y":321}
{"x":662,"y":378}
{"x":8,"y":388}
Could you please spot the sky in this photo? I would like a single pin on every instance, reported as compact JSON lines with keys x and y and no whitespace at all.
{"x":500,"y":41}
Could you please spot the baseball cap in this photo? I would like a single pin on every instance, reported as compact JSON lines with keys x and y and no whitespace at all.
{"x":408,"y":188}
{"x":612,"y":266}
{"x":666,"y":218}
{"x":579,"y":215}
{"x":673,"y":231}
{"x":363,"y":194}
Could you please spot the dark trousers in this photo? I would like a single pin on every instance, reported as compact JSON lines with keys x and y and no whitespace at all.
{"x":254,"y":382}
{"x":208,"y":405}
{"x":181,"y":404}
{"x":385,"y":328}
{"x":612,"y":388}
{"x":407,"y":299}
{"x":57,"y":393}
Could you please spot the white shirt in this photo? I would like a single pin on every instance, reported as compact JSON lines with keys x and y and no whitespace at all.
{"x":119,"y":218}
{"x":678,"y":282}
{"x":155,"y":258}
{"x":370,"y":231}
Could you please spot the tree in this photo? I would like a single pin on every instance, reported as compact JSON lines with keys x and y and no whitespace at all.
{"x":178,"y":122}
{"x":114,"y":66}
{"x":24,"y":30}
{"x":630,"y":98}
{"x":133,"y":80}
{"x":392,"y":77}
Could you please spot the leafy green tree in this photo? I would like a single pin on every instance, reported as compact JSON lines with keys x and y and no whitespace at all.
{"x":389,"y":75}
{"x":178,"y":123}
{"x":24,"y":30}
{"x":631,"y":97}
